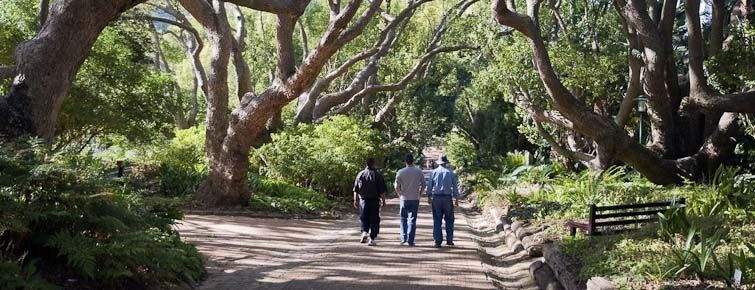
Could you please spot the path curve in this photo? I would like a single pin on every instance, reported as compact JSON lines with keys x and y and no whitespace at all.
{"x":254,"y":253}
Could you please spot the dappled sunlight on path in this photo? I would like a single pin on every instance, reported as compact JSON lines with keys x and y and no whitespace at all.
{"x":253,"y":253}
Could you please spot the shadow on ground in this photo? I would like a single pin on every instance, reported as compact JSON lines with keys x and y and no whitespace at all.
{"x":253,"y":253}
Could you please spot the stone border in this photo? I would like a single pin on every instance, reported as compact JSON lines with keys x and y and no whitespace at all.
{"x":564,"y":267}
{"x":519,"y":237}
{"x":556,"y":270}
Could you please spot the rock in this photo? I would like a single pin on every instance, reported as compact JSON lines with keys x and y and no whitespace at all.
{"x":497,"y":216}
{"x":565,"y":268}
{"x":544,"y":276}
{"x":600,"y":283}
{"x":516,"y":225}
{"x":535,"y":251}
{"x":514,"y":244}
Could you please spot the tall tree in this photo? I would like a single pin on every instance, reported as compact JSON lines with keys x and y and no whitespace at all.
{"x":665,"y":160}
{"x":49,"y":62}
{"x":229,"y":138}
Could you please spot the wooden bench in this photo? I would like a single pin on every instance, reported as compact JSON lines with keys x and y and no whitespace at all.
{"x":616,"y":218}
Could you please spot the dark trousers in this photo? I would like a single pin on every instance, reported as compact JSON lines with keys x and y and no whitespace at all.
{"x":369,"y":214}
{"x":443,"y":211}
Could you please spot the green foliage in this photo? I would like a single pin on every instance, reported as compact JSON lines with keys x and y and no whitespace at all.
{"x":706,"y":240}
{"x":626,"y":259}
{"x":462,"y":152}
{"x":13,"y":276}
{"x":79,"y":225}
{"x":696,"y":258}
{"x":729,"y":193}
{"x":18,"y":22}
{"x":324,"y":157}
{"x":182,"y":163}
{"x":731,"y":69}
{"x":136,"y":102}
{"x":281,"y":196}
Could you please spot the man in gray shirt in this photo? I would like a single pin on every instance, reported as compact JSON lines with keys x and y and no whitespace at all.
{"x":410,"y":183}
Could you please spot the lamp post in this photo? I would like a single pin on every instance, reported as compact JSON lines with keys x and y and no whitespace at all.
{"x":642,"y":108}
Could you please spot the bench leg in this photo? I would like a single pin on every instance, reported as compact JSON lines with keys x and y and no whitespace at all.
{"x":573,"y":231}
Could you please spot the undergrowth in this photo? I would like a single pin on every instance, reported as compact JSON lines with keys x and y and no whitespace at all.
{"x":63,"y":222}
{"x":707,"y":241}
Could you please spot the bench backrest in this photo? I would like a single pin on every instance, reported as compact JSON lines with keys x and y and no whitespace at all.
{"x":618,"y":216}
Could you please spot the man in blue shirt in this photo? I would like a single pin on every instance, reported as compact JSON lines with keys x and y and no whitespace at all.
{"x":442,"y":195}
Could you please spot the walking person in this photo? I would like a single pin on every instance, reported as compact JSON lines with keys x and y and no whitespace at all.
{"x":369,"y":191}
{"x":410,"y":183}
{"x":442,"y":195}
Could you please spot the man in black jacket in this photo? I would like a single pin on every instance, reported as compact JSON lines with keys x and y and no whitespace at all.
{"x":369,"y":191}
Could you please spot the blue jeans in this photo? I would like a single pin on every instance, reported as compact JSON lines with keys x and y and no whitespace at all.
{"x":443,"y":210}
{"x":369,"y":214}
{"x":408,"y":212}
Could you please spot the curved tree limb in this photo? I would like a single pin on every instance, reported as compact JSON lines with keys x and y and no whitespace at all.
{"x":634,"y":85}
{"x":701,"y":94}
{"x":697,"y":81}
{"x":539,"y":114}
{"x":304,"y":40}
{"x":718,"y":22}
{"x":400,"y":85}
{"x":243,"y":73}
{"x":219,"y":34}
{"x":193,"y":46}
{"x":307,"y":99}
{"x":736,"y":103}
{"x":666,"y":27}
{"x":561,"y":150}
{"x":286,"y":59}
{"x":44,"y":10}
{"x":288,"y":7}
{"x":359,"y":88}
{"x":318,"y":107}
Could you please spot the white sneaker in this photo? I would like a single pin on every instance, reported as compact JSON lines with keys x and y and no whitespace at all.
{"x":372,"y":242}
{"x":363,"y":239}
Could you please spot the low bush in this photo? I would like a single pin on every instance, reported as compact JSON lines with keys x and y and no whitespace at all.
{"x":270,"y":194}
{"x":64,"y":223}
{"x":182,"y":163}
{"x":324,"y":157}
{"x":462,"y":153}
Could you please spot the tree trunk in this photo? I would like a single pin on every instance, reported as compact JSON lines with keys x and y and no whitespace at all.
{"x":51,"y":60}
{"x":226,"y":184}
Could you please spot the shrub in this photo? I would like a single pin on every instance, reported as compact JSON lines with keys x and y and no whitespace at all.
{"x":462,"y":153}
{"x":72,"y":223}
{"x":324,"y":157}
{"x":281,"y":196}
{"x":182,"y":163}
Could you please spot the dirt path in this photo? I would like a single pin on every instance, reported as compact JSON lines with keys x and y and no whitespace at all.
{"x":251,"y":253}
